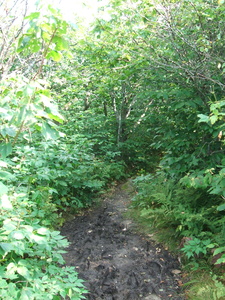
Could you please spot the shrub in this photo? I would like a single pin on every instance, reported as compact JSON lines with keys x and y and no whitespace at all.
{"x":31,"y":262}
{"x":190,"y":212}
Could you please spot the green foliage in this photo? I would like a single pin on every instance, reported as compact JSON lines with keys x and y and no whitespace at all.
{"x":190,"y":212}
{"x":45,"y":36}
{"x":145,"y":89}
{"x":219,"y":291}
{"x":167,"y":203}
{"x":64,"y":171}
{"x":195,"y":247}
{"x":218,"y":254}
{"x":31,"y":255}
{"x":31,"y":262}
{"x":206,"y":286}
{"x":26,"y":108}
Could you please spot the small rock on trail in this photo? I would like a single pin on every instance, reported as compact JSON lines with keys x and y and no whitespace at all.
{"x":115,"y":262}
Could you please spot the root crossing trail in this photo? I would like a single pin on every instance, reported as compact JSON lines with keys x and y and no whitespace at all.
{"x":115,"y":262}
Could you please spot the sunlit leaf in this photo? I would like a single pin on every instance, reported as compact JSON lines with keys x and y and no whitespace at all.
{"x":32,"y":16}
{"x":38,"y":239}
{"x":8,"y":225}
{"x":42,"y":231}
{"x":6,"y":247}
{"x":203,"y":118}
{"x":48,"y":132}
{"x":213,"y":119}
{"x":23,"y":271}
{"x":221,"y":207}
{"x":29,"y":90}
{"x":5,"y":149}
{"x":10,"y":131}
{"x":26,"y":293}
{"x":3,"y":164}
{"x":5,"y":202}
{"x":56,"y":56}
{"x":3,"y":189}
{"x":18,"y":235}
{"x":56,"y":118}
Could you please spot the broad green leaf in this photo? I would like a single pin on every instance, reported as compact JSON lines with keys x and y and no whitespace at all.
{"x":56,"y":56}
{"x":46,"y":35}
{"x":27,"y":294}
{"x":62,"y":29}
{"x":8,"y":225}
{"x":35,"y":46}
{"x":211,"y":246}
{"x":5,"y":150}
{"x":5,"y":175}
{"x":7,"y":247}
{"x":58,"y":118}
{"x":3,"y":189}
{"x":38,"y":239}
{"x":213,"y":119}
{"x":29,"y":90}
{"x":3,"y":283}
{"x":5,"y":202}
{"x":18,"y":235}
{"x":46,"y":27}
{"x":11,"y":268}
{"x":221,"y":261}
{"x":46,"y":101}
{"x":48,"y":132}
{"x":22,"y":114}
{"x":10,"y":131}
{"x":13,"y":291}
{"x":32,"y":16}
{"x":61,"y":43}
{"x":43,"y":231}
{"x":203,"y":118}
{"x":221,"y":207}
{"x":69,"y":54}
{"x":219,"y":250}
{"x":28,"y":228}
{"x":3,"y":164}
{"x":23,"y":43}
{"x":23,"y":271}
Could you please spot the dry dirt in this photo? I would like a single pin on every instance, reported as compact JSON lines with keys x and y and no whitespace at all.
{"x":116,"y":262}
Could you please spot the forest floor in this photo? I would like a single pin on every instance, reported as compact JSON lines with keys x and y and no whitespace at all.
{"x":116,"y":261}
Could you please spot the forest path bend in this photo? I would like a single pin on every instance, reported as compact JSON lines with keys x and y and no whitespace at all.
{"x":115,"y":262}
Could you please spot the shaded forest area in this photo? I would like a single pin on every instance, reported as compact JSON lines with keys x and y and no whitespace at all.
{"x":138,"y":92}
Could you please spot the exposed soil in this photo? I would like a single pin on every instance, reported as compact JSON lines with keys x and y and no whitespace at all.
{"x":116,"y":262}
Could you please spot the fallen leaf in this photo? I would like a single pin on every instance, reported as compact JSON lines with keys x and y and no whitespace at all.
{"x":175,"y":272}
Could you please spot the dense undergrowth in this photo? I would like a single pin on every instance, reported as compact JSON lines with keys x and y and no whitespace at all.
{"x":184,"y":219}
{"x":141,"y":90}
{"x":44,"y":171}
{"x":38,"y":182}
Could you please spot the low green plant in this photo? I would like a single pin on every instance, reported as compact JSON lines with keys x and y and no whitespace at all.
{"x":64,"y":174}
{"x":195,"y":247}
{"x":219,"y":291}
{"x":168,"y":203}
{"x":205,"y":285}
{"x":31,"y":262}
{"x":218,"y":253}
{"x":189,"y":212}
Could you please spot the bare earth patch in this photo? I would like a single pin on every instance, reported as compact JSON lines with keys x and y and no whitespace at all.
{"x":115,"y":262}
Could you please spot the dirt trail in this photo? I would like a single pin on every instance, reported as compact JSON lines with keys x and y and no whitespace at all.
{"x":115,"y":262}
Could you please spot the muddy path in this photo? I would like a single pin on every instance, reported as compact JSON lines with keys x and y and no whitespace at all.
{"x":115,"y":262}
